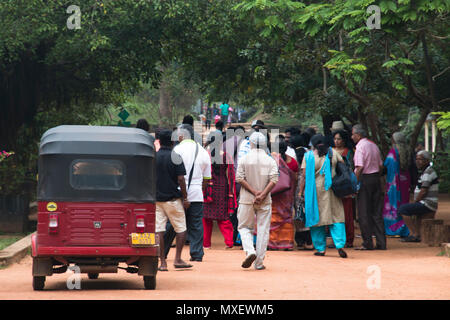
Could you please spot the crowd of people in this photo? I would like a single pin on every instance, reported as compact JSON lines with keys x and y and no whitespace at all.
{"x":214,"y":113}
{"x":275,"y":195}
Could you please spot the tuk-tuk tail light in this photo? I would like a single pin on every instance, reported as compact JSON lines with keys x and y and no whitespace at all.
{"x":53,"y":223}
{"x":140,"y":223}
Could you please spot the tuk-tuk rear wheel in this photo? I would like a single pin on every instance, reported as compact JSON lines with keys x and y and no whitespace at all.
{"x":38,"y":282}
{"x":93,"y":276}
{"x":150,"y":282}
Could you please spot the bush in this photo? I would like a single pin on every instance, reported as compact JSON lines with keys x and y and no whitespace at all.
{"x":441,"y":164}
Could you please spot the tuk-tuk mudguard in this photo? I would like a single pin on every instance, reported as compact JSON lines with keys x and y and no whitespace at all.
{"x":42,"y":267}
{"x":148,"y":266}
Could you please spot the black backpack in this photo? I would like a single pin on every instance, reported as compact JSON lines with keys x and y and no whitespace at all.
{"x":344,"y":183}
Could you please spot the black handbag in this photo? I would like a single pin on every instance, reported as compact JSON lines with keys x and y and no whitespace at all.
{"x":344,"y":183}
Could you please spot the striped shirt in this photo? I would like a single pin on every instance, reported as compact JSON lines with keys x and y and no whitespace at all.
{"x":428,"y":179}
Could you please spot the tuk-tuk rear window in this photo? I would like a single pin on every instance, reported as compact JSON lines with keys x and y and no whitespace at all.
{"x":95,"y":174}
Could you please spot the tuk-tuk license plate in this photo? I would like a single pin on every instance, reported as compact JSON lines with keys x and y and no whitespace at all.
{"x":142,"y":239}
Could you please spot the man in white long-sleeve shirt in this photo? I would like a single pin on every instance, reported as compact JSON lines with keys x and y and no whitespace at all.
{"x":258,"y":174}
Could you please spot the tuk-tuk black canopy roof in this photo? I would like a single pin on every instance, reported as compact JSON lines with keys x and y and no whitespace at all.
{"x":68,"y":139}
{"x":128,"y":152}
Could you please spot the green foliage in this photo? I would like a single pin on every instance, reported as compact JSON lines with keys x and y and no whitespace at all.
{"x":344,"y":67}
{"x":310,"y":57}
{"x":377,"y":70}
{"x":7,"y":241}
{"x":51,"y":75}
{"x":119,"y":44}
{"x":18,"y":173}
{"x":441,"y":164}
{"x":443,"y":121}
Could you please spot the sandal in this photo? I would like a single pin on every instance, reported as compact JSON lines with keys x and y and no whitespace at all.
{"x":182,"y":266}
{"x":163,"y":269}
{"x":410,"y":239}
{"x":362,"y":248}
{"x":342,"y":253}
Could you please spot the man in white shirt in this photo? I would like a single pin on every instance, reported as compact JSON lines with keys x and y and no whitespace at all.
{"x":244,"y":147}
{"x":258,"y":174}
{"x":197,"y":162}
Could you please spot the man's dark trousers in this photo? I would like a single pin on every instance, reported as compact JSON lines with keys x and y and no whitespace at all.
{"x":370,"y":211}
{"x":194,"y":225}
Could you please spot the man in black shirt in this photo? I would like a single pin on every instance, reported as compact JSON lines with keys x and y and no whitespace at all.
{"x":171,"y":198}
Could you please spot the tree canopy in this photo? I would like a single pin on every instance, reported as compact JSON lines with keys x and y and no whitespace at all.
{"x":403,"y":63}
{"x":45,"y":64}
{"x":302,"y":57}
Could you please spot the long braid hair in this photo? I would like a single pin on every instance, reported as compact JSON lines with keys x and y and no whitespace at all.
{"x":282,"y":148}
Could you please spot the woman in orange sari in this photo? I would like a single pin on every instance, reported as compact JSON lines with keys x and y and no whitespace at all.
{"x":282,"y":224}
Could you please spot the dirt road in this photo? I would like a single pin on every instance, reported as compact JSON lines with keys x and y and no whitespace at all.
{"x":407,"y":271}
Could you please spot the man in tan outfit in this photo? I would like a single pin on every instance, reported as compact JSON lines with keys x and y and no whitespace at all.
{"x":257,"y":173}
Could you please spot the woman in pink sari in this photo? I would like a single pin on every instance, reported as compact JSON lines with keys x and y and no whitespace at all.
{"x":397,"y":186}
{"x":282,"y":224}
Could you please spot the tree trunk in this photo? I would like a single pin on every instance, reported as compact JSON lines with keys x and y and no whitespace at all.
{"x":418,"y":127}
{"x":327,"y":122}
{"x":165,"y":109}
{"x":428,"y":64}
{"x":362,"y":118}
{"x":372,"y":122}
{"x":434,"y":232}
{"x":441,"y":142}
{"x":378,"y":134}
{"x":324,"y":75}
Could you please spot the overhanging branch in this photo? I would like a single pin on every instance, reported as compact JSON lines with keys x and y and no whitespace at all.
{"x":440,"y":73}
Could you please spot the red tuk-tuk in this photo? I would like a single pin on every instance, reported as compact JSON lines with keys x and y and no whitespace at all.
{"x":96,"y":203}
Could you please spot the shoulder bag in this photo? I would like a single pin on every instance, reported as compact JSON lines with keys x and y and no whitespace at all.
{"x":284,"y":179}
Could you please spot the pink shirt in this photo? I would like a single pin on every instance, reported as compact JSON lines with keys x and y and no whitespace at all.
{"x":367,"y":155}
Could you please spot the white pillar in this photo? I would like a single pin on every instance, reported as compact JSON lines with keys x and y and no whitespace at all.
{"x":426,"y":137}
{"x":433,"y":136}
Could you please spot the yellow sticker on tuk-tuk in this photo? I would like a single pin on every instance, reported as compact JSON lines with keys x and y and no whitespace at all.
{"x":51,"y":206}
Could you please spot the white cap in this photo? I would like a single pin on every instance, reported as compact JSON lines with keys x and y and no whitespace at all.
{"x":258,"y":139}
{"x":337,"y":125}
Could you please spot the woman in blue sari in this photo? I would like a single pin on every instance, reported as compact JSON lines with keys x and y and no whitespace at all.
{"x":322,"y":207}
{"x":398,"y":182}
